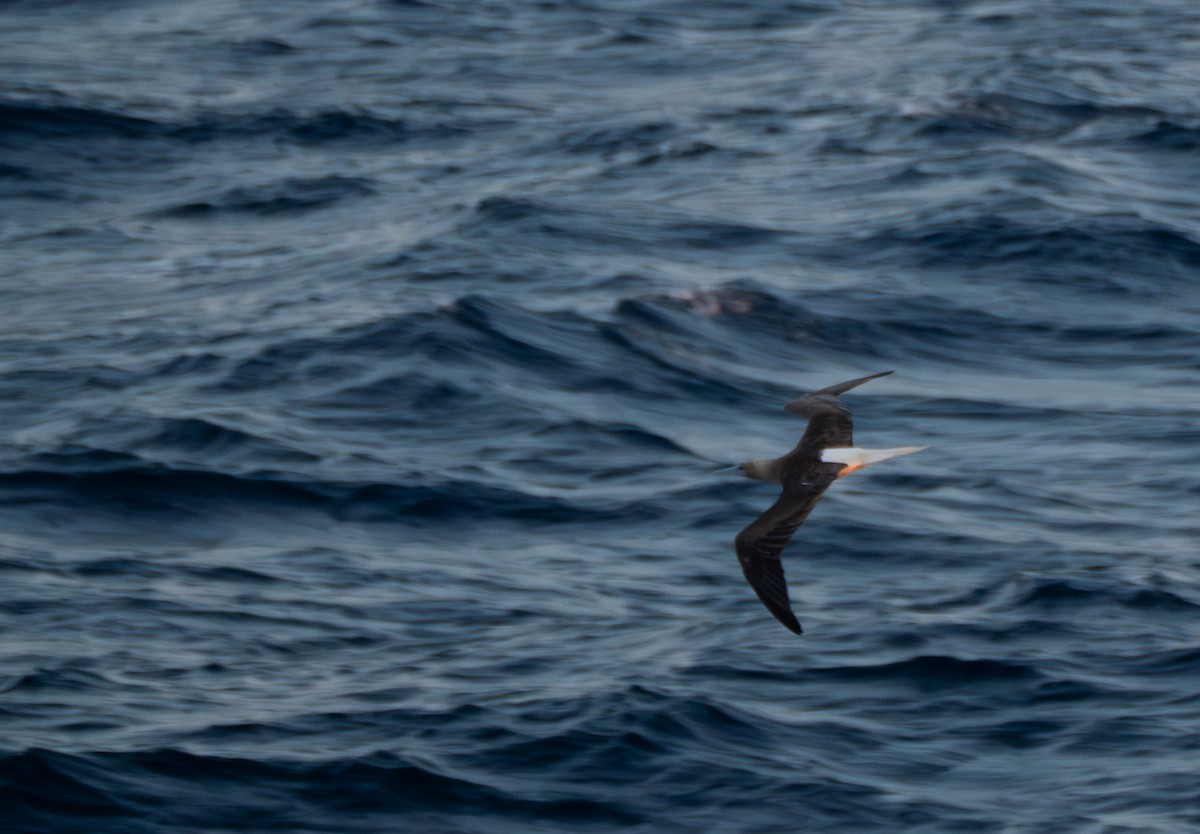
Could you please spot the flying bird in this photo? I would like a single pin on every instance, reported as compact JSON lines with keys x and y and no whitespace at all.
{"x":825,"y":453}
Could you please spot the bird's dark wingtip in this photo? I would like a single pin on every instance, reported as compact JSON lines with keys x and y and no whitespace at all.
{"x":786,"y":618}
{"x":843,"y":387}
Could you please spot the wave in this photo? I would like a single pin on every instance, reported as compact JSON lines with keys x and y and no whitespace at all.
{"x":1007,"y":113}
{"x":290,"y":196}
{"x":16,"y":172}
{"x":162,"y":789}
{"x":472,"y":333}
{"x":1175,"y":661}
{"x":116,"y":483}
{"x":637,"y":229}
{"x":116,"y":442}
{"x":1030,"y":594}
{"x":64,"y":121}
{"x":1003,"y":238}
{"x":45,"y":683}
{"x":932,"y":672}
{"x":1169,"y":136}
{"x":1053,"y":593}
{"x":606,"y":141}
{"x":637,"y":145}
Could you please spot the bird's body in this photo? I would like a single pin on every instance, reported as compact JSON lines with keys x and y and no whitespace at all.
{"x":825,"y":453}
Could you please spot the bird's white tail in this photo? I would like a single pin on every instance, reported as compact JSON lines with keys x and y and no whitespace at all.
{"x":858,"y":458}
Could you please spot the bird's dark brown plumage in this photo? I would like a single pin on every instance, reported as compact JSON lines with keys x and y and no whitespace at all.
{"x":804,"y":477}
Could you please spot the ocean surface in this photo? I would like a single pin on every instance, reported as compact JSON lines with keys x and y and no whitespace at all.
{"x":365,"y":366}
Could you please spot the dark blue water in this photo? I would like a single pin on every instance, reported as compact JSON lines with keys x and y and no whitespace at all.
{"x":364,"y":366}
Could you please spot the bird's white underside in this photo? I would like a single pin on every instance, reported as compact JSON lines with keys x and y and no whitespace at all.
{"x":852,"y":456}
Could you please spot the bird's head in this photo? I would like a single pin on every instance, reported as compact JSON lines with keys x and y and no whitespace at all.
{"x":759,"y":470}
{"x":750,"y":469}
{"x":756,"y":470}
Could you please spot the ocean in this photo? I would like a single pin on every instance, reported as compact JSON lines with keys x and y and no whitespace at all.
{"x":366,"y":367}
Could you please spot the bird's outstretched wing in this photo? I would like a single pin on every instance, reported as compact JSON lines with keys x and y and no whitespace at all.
{"x":828,"y":417}
{"x":760,"y":545}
